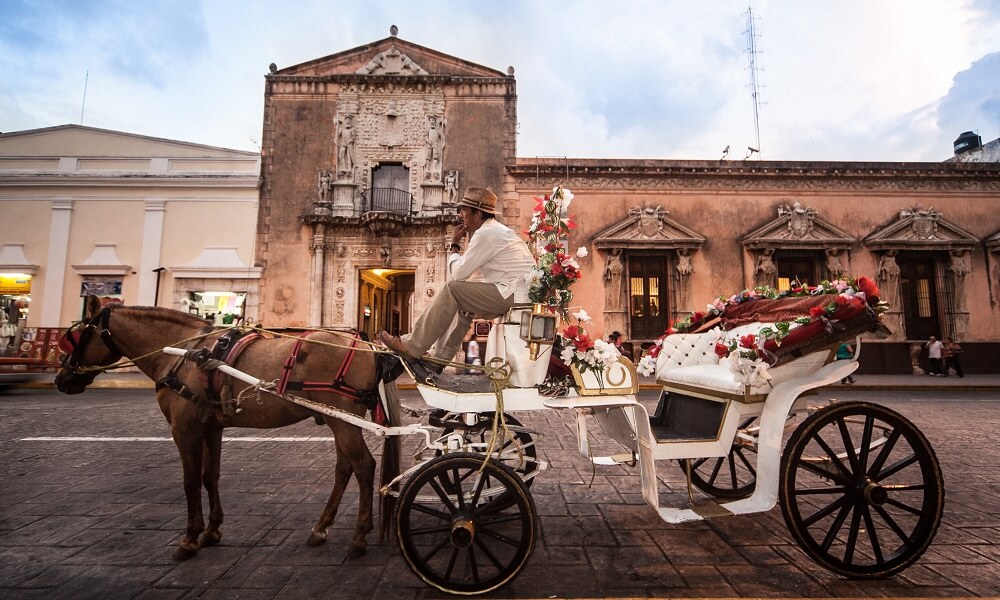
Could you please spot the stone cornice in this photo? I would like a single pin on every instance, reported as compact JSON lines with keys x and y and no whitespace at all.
{"x":311,"y":219}
{"x":131,"y":180}
{"x":848,"y":176}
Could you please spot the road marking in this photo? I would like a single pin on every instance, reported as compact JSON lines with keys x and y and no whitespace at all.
{"x":167,"y":439}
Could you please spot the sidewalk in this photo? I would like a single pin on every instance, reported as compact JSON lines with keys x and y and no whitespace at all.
{"x":974,"y":382}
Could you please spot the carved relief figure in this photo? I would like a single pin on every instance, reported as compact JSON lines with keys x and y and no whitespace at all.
{"x":451,"y":186}
{"x":888,"y":276}
{"x":435,"y":140}
{"x":684,"y":270}
{"x":613,"y":269}
{"x":959,"y":269}
{"x":345,"y":147}
{"x":284,"y":301}
{"x":834,"y":267}
{"x":325,"y":179}
{"x":766,"y":269}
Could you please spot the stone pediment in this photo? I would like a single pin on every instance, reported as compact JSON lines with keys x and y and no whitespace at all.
{"x":392,"y":57}
{"x":648,"y":228}
{"x":798,"y":227}
{"x":921,"y":229}
{"x":993,"y":242}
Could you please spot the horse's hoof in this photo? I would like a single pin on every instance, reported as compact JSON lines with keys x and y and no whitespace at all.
{"x":209,"y":539}
{"x":182,"y":553}
{"x":316,"y":539}
{"x":356,"y":551}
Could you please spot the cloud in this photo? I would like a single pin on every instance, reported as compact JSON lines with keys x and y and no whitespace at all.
{"x":972,"y":103}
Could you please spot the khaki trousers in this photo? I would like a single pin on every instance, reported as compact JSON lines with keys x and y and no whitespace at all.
{"x":449,"y":317}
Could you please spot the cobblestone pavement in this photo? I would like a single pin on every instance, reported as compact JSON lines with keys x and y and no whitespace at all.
{"x":100,"y":519}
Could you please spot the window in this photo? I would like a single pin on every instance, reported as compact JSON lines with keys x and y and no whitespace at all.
{"x":648,"y":299}
{"x":919,"y":288}
{"x":390,"y":189}
{"x":797,"y":266}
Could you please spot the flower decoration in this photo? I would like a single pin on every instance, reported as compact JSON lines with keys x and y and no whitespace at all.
{"x":556,"y":269}
{"x":580,"y":350}
{"x":752,"y":354}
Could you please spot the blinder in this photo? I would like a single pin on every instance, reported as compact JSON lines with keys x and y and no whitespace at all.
{"x":76,"y":339}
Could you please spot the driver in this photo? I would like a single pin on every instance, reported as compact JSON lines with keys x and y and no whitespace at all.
{"x":495,"y":251}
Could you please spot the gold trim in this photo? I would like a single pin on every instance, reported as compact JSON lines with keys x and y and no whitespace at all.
{"x":700,"y":392}
{"x":604,"y":391}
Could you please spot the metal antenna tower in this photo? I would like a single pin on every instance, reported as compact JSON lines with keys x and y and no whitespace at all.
{"x":754,"y":85}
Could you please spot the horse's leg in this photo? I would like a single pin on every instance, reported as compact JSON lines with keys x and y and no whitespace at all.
{"x":211,"y":468}
{"x":190,"y":445}
{"x":353,"y":457}
{"x":342,"y":475}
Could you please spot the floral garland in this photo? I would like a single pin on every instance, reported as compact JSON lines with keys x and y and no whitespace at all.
{"x":556,"y":270}
{"x":585,"y":353}
{"x":852,"y":293}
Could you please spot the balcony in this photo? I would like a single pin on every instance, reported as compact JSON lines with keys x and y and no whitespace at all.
{"x":387,"y":200}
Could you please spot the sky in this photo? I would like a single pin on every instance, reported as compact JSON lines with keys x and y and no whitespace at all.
{"x":843,"y":80}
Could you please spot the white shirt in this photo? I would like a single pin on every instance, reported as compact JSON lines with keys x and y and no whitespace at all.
{"x":934,"y":349}
{"x":499,"y":254}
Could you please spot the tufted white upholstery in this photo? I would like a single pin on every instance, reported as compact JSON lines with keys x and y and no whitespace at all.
{"x":689,"y":360}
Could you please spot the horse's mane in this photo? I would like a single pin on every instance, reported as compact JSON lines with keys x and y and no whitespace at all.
{"x":168,"y":314}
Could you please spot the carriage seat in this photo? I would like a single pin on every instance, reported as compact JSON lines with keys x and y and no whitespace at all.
{"x":688,"y":363}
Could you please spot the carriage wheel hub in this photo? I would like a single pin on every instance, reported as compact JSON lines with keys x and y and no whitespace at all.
{"x":463,"y":531}
{"x":876,"y":494}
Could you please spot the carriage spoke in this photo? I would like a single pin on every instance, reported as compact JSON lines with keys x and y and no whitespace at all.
{"x":845,"y":436}
{"x":902,"y":535}
{"x":852,"y":536}
{"x":746,"y":462}
{"x":873,"y":535}
{"x":489,"y":554}
{"x":910,"y":509}
{"x":732,"y":470}
{"x":884,"y":453}
{"x":824,"y":473}
{"x":479,"y":489}
{"x":897,"y":467}
{"x":445,"y":498}
{"x":428,"y":530}
{"x":838,"y":522}
{"x":506,"y":539}
{"x":820,"y":491}
{"x":451,"y":563}
{"x":866,"y":440}
{"x":433,"y":551}
{"x":473,"y":565}
{"x":458,"y":489}
{"x":825,"y":512}
{"x":833,"y":459}
{"x":497,"y":518}
{"x":427,"y":510}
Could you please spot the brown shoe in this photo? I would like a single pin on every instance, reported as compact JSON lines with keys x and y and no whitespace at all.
{"x":395,"y":344}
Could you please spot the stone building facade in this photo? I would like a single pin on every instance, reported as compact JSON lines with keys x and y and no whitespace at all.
{"x":366,"y":152}
{"x":365,"y":156}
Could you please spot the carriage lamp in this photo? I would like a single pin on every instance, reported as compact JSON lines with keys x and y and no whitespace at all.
{"x":538,"y":328}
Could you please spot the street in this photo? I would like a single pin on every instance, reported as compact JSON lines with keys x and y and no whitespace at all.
{"x":93,"y":507}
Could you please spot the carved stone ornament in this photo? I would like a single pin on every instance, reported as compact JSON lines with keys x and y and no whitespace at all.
{"x":391,"y":62}
{"x":650,"y":218}
{"x":800,"y":220}
{"x":925,"y":222}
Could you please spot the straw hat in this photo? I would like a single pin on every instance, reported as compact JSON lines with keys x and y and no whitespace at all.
{"x":480,"y":199}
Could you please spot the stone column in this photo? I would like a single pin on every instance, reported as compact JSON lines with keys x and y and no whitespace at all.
{"x":317,"y":250}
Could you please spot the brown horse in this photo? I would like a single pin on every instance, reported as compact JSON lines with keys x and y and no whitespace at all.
{"x":196,"y":420}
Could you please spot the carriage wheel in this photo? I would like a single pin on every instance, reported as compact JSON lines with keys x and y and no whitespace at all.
{"x":458,"y":540}
{"x":731,"y":476}
{"x":518,"y":453}
{"x":861,"y":490}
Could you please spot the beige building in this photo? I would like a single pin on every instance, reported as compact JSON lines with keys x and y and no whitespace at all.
{"x":131,"y":218}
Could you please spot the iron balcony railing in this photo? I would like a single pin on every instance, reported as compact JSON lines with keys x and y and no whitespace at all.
{"x":387,"y":200}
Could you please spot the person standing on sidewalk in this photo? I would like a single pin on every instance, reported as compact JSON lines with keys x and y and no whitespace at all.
{"x":935,"y":350}
{"x":495,"y":251}
{"x":952,"y":352}
{"x":846,"y":352}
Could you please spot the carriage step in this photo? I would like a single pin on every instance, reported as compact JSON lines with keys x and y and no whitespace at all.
{"x":711,"y":510}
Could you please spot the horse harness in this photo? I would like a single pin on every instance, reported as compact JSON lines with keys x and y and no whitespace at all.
{"x":74,"y":341}
{"x":227,"y":348}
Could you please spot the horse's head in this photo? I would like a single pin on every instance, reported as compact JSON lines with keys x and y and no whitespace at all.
{"x":86,"y":347}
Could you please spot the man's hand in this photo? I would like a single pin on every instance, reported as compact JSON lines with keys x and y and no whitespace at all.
{"x":458,"y":234}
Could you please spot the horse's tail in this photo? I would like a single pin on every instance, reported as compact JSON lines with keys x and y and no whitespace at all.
{"x":391,"y":458}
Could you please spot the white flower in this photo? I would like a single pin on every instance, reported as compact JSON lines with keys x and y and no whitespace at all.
{"x":581,"y":252}
{"x":567,"y":355}
{"x":646,"y":366}
{"x":534,"y":277}
{"x":582,"y":317}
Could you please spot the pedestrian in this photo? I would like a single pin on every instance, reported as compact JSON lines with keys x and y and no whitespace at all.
{"x":935,"y":351}
{"x":846,"y":352}
{"x":472,"y":355}
{"x":616,"y":339}
{"x":504,"y":261}
{"x":952,"y":357}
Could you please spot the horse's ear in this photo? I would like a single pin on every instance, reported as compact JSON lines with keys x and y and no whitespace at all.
{"x":93,"y":306}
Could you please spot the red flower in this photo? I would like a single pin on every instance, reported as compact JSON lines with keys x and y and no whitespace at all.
{"x":748,"y":341}
{"x":583,"y":343}
{"x":556,"y":268}
{"x":698,"y":316}
{"x":721,"y":349}
{"x":571,"y":331}
{"x":654,"y":351}
{"x":869,"y":287}
{"x":842,"y":301}
{"x":817,"y":311}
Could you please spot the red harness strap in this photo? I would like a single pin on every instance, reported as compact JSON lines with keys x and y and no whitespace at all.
{"x":337,"y":386}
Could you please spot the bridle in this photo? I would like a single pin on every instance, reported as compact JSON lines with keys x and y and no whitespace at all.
{"x":75,"y":340}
